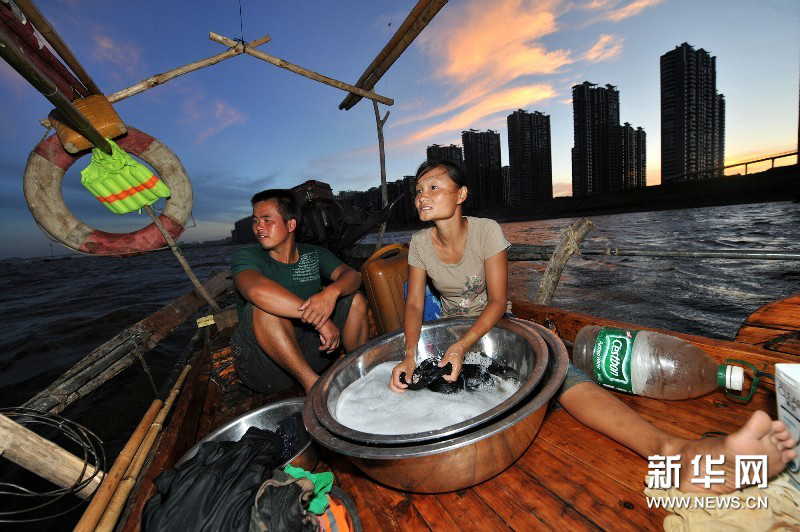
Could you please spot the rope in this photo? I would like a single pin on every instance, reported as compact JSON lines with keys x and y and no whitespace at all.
{"x":93,"y":454}
{"x":241,"y":23}
{"x":146,"y":369}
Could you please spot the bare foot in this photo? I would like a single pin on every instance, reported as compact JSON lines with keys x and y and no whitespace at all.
{"x":760,"y":436}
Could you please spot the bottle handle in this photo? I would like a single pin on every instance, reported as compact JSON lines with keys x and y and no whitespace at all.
{"x":744,"y":397}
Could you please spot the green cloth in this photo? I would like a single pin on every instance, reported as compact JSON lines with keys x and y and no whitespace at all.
{"x":120,"y":182}
{"x":323,"y":482}
{"x":303,"y":278}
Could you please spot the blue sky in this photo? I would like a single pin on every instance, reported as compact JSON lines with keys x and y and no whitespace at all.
{"x":244,"y":125}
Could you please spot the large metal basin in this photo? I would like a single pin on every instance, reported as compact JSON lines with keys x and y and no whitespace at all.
{"x":266,"y":417}
{"x":461,"y":460}
{"x":508,"y":343}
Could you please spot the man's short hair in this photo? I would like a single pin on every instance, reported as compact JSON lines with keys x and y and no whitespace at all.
{"x":453,"y":170}
{"x":287,"y":204}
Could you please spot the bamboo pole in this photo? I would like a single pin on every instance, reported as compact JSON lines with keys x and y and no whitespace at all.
{"x":49,"y":33}
{"x":160,"y":79}
{"x":46,"y":459}
{"x":379,"y":122}
{"x":419,"y":17}
{"x":95,"y":510}
{"x":527,"y":252}
{"x":114,"y":509}
{"x":182,"y":260}
{"x":570,"y":243}
{"x":297,"y":69}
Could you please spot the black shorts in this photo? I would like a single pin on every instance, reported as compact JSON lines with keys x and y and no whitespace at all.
{"x":257,"y":370}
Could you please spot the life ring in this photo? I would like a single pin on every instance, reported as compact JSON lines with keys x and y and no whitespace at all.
{"x":45,"y":170}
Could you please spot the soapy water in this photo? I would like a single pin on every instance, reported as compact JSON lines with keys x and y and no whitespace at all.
{"x":368,"y":405}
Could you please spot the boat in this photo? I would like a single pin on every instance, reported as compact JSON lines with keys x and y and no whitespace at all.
{"x":570,"y":476}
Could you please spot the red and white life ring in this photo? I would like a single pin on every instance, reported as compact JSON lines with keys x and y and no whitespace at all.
{"x":45,"y":170}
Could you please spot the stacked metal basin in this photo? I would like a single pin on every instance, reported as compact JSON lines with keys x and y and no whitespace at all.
{"x":460,"y":455}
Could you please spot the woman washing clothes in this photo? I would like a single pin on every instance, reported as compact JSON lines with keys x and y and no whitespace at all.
{"x":465,"y":258}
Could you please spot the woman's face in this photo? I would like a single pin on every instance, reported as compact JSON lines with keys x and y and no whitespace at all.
{"x":438,"y":196}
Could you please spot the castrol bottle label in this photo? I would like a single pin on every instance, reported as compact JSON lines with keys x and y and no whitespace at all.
{"x":611,"y":357}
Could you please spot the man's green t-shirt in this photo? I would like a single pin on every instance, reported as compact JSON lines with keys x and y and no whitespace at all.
{"x":303,"y":278}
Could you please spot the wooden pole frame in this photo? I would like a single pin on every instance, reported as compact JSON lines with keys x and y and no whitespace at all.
{"x":46,"y":459}
{"x":297,"y":69}
{"x":570,"y":244}
{"x":379,"y":122}
{"x":160,"y":79}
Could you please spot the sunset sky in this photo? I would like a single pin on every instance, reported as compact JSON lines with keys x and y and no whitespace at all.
{"x":244,"y":125}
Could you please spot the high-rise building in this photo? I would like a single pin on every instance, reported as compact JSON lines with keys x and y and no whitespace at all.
{"x":596,"y":162}
{"x":692,"y":116}
{"x":634,"y":157}
{"x":450,"y":153}
{"x":482,"y":168}
{"x":529,"y":156}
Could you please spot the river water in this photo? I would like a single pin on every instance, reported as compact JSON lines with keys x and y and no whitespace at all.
{"x":56,"y":311}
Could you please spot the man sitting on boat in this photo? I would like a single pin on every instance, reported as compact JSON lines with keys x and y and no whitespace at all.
{"x":287,"y":320}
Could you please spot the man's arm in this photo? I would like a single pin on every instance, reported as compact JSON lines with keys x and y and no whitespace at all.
{"x":318,"y":308}
{"x":267,"y":295}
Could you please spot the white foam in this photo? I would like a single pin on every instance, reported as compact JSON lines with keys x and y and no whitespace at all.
{"x":370,"y":406}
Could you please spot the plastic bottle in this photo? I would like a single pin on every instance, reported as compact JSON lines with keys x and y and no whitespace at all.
{"x":650,"y":364}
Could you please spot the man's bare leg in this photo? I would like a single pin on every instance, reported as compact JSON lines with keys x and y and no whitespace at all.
{"x":355,"y":331}
{"x":600,"y":410}
{"x":275,"y":335}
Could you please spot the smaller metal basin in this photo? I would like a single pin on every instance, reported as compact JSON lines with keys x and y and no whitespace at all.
{"x":266,"y":417}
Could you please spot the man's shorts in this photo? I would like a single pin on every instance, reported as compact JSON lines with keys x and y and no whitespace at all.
{"x":257,"y":370}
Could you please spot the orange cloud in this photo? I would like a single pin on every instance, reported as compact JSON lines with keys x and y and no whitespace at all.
{"x":514,"y":98}
{"x":606,"y":47}
{"x":469,"y":42}
{"x":562,"y":189}
{"x":634,"y":8}
{"x":600,"y":4}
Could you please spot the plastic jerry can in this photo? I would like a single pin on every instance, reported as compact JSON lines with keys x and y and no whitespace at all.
{"x":384,"y":275}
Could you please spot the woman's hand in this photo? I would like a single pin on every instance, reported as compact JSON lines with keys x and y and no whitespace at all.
{"x":407,"y":366}
{"x":455,"y":356}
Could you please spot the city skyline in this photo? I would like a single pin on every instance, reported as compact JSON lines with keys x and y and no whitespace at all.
{"x":243,"y":125}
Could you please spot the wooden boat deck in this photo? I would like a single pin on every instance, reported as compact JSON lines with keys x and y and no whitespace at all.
{"x":570,"y":477}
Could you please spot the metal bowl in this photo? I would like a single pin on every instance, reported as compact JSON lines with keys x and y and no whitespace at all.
{"x":266,"y":417}
{"x":462,"y":460}
{"x":508,"y":343}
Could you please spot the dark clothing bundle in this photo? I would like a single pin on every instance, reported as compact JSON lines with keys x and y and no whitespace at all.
{"x":473,"y":377}
{"x":216,"y":489}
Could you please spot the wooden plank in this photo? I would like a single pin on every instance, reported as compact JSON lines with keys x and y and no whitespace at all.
{"x":783,"y":314}
{"x":470,"y":511}
{"x":384,"y":508}
{"x":757,"y":334}
{"x":594,"y":450}
{"x":593,"y":494}
{"x":434,"y":513}
{"x":524,"y":504}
